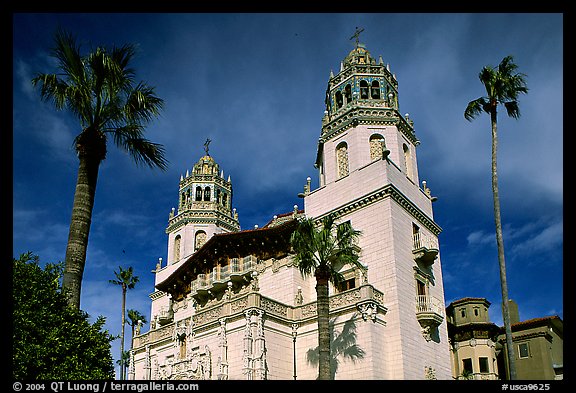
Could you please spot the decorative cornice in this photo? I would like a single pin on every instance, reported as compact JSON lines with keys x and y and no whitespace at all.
{"x":388,"y":191}
{"x":367,"y":115}
{"x":363,"y":69}
{"x":156,"y":295}
{"x":195,"y":178}
{"x":202,"y":217}
{"x":366,"y":299}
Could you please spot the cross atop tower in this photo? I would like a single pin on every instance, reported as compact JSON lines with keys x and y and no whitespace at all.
{"x":357,"y":35}
{"x":206,"y":144}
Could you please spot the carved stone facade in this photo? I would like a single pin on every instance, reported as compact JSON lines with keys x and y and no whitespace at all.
{"x":235,"y":306}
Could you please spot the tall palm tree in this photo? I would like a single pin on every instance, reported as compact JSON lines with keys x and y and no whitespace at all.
{"x":100,"y":91}
{"x":135,"y":318}
{"x":127,"y":280}
{"x":503,"y":86}
{"x":323,"y":252}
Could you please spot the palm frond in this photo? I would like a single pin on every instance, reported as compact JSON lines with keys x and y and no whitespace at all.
{"x":475,"y":108}
{"x":503,"y":86}
{"x":52,"y":88}
{"x":149,"y":153}
{"x":142,"y":104}
{"x":326,"y":246}
{"x":67,"y":53}
{"x":125,"y":277}
{"x":142,"y":151}
{"x":512,"y":109}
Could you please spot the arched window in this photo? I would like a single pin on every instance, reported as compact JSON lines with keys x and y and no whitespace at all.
{"x":348,"y":93}
{"x":225,"y":200}
{"x":407,"y":161}
{"x":363,"y":89}
{"x":376,"y":147}
{"x":342,"y":160}
{"x":198,"y":193}
{"x":375,"y":90}
{"x":199,"y":240}
{"x":207,"y":194}
{"x":188,"y":196}
{"x":177,"y":248}
{"x":183,"y":199}
{"x":339,"y":100}
{"x":218,"y":198}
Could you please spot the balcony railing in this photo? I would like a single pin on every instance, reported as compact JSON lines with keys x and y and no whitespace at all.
{"x":165,"y":316}
{"x":425,"y":248}
{"x":429,"y":313}
{"x":428,"y":304}
{"x":221,"y":274}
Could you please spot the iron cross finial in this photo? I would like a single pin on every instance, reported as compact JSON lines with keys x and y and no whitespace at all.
{"x":357,"y":35}
{"x":206,"y":144}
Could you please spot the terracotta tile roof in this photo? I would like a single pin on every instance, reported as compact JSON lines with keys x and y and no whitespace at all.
{"x":535,"y":322}
{"x":231,"y":244}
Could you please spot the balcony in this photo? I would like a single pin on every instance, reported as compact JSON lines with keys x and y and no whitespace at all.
{"x":429,"y":313}
{"x":217,"y":280}
{"x":165,"y":316}
{"x":424,"y":248}
{"x":240,"y":267}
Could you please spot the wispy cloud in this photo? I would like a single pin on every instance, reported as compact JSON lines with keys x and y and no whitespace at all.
{"x":541,"y":239}
{"x":480,"y":238}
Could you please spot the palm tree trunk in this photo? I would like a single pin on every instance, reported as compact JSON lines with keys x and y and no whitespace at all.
{"x":122,"y":367}
{"x":500,"y":244}
{"x":80,"y":221}
{"x":323,"y":309}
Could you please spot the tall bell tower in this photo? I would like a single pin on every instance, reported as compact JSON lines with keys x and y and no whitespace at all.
{"x":368,"y":175}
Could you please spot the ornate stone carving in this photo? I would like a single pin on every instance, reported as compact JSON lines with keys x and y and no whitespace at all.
{"x":429,"y":372}
{"x":369,"y":310}
{"x":274,"y":307}
{"x":298,"y":299}
{"x":222,"y":362}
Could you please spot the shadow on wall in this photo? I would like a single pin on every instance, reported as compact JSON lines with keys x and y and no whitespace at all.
{"x":342,"y":346}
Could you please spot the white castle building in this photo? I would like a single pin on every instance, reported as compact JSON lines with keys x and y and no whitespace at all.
{"x":231,"y":304}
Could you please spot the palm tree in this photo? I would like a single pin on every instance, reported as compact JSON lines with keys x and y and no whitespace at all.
{"x":135,"y":318}
{"x":503,"y":86}
{"x":124,"y":362}
{"x":342,"y":344}
{"x":323,"y":252}
{"x":127,"y":280}
{"x":99,"y":90}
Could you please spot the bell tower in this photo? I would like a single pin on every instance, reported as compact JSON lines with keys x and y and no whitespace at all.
{"x":204,"y":209}
{"x":368,"y":175}
{"x":363,"y":97}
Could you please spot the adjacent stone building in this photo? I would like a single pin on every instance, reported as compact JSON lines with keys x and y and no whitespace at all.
{"x":478,"y":346}
{"x":231,"y":304}
{"x":473,"y":339}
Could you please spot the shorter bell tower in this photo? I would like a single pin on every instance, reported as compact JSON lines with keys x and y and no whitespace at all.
{"x":204,"y":209}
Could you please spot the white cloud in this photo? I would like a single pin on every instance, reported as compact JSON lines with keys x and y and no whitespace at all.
{"x":23,"y":76}
{"x":545,"y":238}
{"x":480,"y":238}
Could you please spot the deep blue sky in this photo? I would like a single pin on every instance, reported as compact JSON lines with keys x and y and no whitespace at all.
{"x":255,"y":85}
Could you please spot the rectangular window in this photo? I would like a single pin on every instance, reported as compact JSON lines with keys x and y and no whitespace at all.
{"x":483,"y":364}
{"x":347,"y":284}
{"x":467,"y":365}
{"x":420,"y":288}
{"x":523,"y":350}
